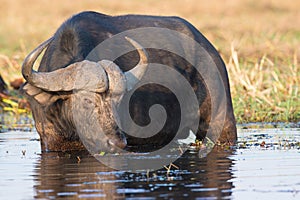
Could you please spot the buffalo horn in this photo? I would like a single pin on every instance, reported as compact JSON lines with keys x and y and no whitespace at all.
{"x":29,"y":61}
{"x":134,"y":75}
{"x":85,"y":75}
{"x":81,"y":75}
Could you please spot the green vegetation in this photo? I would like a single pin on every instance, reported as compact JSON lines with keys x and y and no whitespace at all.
{"x":264,"y":92}
{"x":13,"y":115}
{"x":258,"y":40}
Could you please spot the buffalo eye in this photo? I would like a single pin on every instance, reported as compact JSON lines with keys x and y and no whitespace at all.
{"x":87,"y":103}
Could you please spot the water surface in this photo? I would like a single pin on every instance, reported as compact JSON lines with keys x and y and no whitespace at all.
{"x":265,"y":164}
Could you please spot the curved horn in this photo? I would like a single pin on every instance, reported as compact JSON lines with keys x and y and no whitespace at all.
{"x":29,"y":61}
{"x":84,"y":75}
{"x":134,"y":75}
{"x":81,"y":75}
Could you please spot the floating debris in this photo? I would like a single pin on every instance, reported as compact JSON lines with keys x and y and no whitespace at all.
{"x":271,"y":139}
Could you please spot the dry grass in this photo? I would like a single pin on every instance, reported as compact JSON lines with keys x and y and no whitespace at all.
{"x":269,"y":93}
{"x":259,"y":41}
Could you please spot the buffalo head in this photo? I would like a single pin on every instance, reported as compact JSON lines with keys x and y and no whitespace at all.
{"x":88,"y":92}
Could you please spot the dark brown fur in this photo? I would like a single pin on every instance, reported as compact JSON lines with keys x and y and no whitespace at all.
{"x":80,"y":34}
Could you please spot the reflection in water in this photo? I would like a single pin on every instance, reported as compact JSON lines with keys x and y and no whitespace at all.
{"x":265,"y":165}
{"x":64,"y":175}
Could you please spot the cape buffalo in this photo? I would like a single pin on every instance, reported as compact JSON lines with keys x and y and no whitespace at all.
{"x":52,"y":90}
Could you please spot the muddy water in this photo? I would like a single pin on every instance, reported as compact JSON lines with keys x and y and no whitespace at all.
{"x":264,"y":165}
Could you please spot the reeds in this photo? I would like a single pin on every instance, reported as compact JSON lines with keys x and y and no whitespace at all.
{"x":10,"y":67}
{"x":265,"y":90}
{"x":15,"y":113}
{"x":13,"y":116}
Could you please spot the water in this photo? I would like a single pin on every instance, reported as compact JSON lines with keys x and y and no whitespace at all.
{"x":264,"y":165}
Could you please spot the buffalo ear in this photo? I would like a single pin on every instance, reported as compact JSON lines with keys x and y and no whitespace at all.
{"x":42,"y":97}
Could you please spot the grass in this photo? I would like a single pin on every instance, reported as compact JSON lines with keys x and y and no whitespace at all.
{"x":13,"y":115}
{"x":269,"y":93}
{"x":258,"y":40}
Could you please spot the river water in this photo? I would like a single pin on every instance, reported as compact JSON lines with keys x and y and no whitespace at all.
{"x":265,"y":164}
